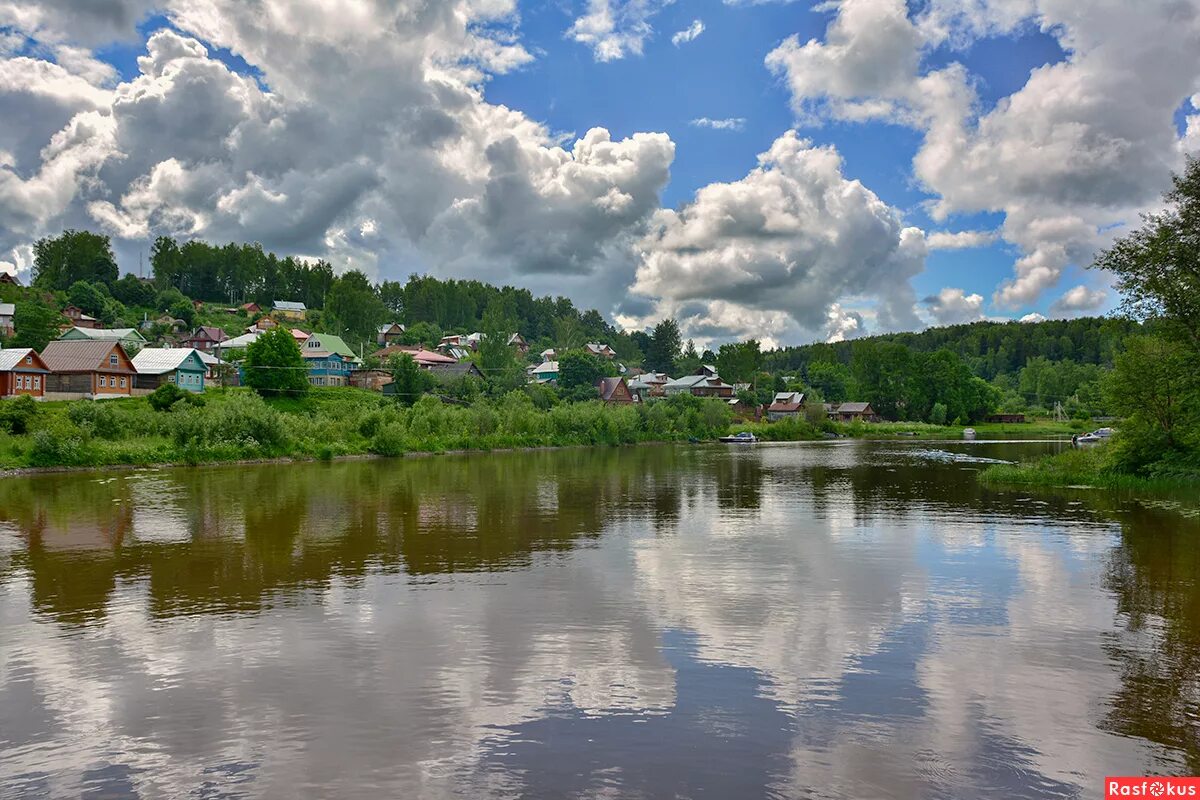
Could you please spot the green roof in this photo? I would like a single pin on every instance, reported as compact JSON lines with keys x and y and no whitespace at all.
{"x":331,"y":343}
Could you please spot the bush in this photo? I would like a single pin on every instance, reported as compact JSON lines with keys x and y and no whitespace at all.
{"x":59,"y":444}
{"x":16,"y":414}
{"x":389,"y":441}
{"x":95,"y":419}
{"x":937,"y":415}
{"x":165,"y":396}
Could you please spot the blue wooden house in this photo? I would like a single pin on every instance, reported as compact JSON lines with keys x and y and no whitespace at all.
{"x":330,"y":360}
{"x":181,"y":366}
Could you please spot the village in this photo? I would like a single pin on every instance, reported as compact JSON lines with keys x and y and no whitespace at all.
{"x":90,"y":362}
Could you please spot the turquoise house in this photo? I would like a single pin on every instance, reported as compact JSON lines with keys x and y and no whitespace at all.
{"x":181,"y":366}
{"x":330,"y":360}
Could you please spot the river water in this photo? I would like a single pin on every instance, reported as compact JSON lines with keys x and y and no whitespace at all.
{"x":844,"y":620}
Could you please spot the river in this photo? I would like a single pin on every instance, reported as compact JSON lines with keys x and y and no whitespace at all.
{"x":843,"y":620}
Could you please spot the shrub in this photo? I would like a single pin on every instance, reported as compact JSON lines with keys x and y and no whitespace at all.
{"x":389,"y":441}
{"x":165,"y":396}
{"x":96,"y":419}
{"x":16,"y":414}
{"x":937,"y":415}
{"x":60,"y":443}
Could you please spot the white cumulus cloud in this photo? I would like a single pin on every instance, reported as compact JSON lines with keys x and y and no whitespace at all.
{"x":953,"y":306}
{"x":688,"y":34}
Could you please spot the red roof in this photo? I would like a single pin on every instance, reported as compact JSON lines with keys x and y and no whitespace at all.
{"x":419,"y":354}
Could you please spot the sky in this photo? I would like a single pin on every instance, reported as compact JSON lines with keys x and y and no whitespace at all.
{"x":791,"y":172}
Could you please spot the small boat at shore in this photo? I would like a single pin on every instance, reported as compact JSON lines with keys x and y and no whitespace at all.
{"x":745,"y":437}
{"x":1086,"y":440}
{"x":969,"y":434}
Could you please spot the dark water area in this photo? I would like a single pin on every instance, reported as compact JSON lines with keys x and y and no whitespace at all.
{"x":842,"y":620}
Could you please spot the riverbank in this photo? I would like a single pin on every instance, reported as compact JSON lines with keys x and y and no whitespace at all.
{"x":237,"y":426}
{"x":1080,"y":468}
{"x":232,"y":426}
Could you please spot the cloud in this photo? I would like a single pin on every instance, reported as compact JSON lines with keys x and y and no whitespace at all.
{"x":615,"y":29}
{"x":954,"y":306}
{"x":688,"y":34}
{"x":960,"y":240}
{"x":1069,"y":159}
{"x":727,"y":124}
{"x":1078,"y":301}
{"x":793,"y":237}
{"x":1032,"y":317}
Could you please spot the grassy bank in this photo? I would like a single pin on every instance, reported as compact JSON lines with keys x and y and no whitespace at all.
{"x":237,"y":425}
{"x":1073,"y":468}
{"x":798,"y":430}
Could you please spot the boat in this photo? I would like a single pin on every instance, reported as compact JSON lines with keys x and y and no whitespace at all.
{"x":1103,"y":433}
{"x":969,"y":433}
{"x":745,"y":437}
{"x":1086,"y":440}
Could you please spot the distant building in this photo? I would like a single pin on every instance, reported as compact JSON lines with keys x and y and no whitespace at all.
{"x":22,"y":371}
{"x":518,"y":341}
{"x":92,"y":368}
{"x":426,"y":359}
{"x":251,"y":308}
{"x":1006,"y":418}
{"x":600,"y":350}
{"x":330,"y":360}
{"x":290,"y":310}
{"x":549,"y":354}
{"x":261,"y":325}
{"x":853,"y":412}
{"x":129,"y":338}
{"x":703,"y":383}
{"x":9,"y":278}
{"x":80,"y":319}
{"x":181,"y":366}
{"x":615,"y":391}
{"x":445,"y":373}
{"x":7,"y":312}
{"x":649,"y":384}
{"x":785,"y":405}
{"x":370,"y":379}
{"x":205,"y":338}
{"x":545,"y":372}
{"x":389,"y":334}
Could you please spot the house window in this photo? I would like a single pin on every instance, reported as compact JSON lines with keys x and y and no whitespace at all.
{"x":37,"y":381}
{"x":29,"y":360}
{"x":103,"y":381}
{"x":123,"y":383}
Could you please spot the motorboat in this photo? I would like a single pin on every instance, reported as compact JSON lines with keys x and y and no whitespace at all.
{"x":1086,"y":440}
{"x":745,"y":437}
{"x":1103,"y":433}
{"x":969,"y":434}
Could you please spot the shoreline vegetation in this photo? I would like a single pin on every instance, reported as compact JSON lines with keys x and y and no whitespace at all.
{"x":1083,"y":469}
{"x":230,"y":426}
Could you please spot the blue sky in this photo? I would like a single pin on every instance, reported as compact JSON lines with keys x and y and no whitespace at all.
{"x":352,"y":142}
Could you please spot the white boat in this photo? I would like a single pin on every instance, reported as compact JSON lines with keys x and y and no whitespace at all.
{"x":968,"y":433}
{"x":1103,"y":433}
{"x":745,"y":437}
{"x":1086,"y":440}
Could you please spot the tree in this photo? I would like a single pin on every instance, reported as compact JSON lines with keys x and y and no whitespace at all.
{"x":738,"y":362}
{"x":1158,"y":265}
{"x":36,"y":326}
{"x":1154,"y":385}
{"x":664,"y":348}
{"x":578,"y":373}
{"x":354,"y":308}
{"x":274,"y":364}
{"x":133,"y":291}
{"x":88,"y":297}
{"x":73,"y":256}
{"x":831,"y":379}
{"x":568,"y":333}
{"x":391,"y":294}
{"x":495,"y":356}
{"x":408,"y":379}
{"x":184,"y":310}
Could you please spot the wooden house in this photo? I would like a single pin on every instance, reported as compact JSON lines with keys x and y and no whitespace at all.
{"x":600,"y":350}
{"x":853,"y":412}
{"x":704,"y":382}
{"x":251,"y":308}
{"x":615,"y":391}
{"x":181,"y":366}
{"x":785,"y":405}
{"x":389,"y":334}
{"x":87,"y":368}
{"x":9,"y":278}
{"x":22,"y":371}
{"x":289,"y":310}
{"x":7,"y":312}
{"x":330,"y":360}
{"x":1005,"y":418}
{"x":80,"y":319}
{"x":206,"y":338}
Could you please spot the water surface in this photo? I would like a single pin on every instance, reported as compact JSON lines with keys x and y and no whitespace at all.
{"x":846,"y":620}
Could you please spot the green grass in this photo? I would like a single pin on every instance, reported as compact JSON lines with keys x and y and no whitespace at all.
{"x":1078,"y":468}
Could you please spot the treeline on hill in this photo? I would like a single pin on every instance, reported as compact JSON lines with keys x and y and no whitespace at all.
{"x":958,"y":373}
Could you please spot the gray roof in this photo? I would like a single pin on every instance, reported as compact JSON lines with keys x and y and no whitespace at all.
{"x":853,"y":408}
{"x":156,"y":361}
{"x":288,"y":305}
{"x":691,"y":381}
{"x":81,"y":355}
{"x":12,"y":357}
{"x":110,"y":334}
{"x":7,"y":309}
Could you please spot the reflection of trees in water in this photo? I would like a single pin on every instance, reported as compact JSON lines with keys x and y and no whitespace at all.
{"x":1155,"y":574}
{"x":233,"y":539}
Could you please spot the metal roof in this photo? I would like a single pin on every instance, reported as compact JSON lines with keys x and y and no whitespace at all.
{"x":244,"y":340}
{"x":107,"y":334}
{"x":80,"y":355}
{"x":15,"y":357}
{"x":288,"y":305}
{"x":7,"y":309}
{"x":853,"y":408}
{"x":326,"y":343}
{"x":152,"y":361}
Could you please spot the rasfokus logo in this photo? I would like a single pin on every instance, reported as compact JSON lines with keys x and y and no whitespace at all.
{"x":1151,"y":786}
